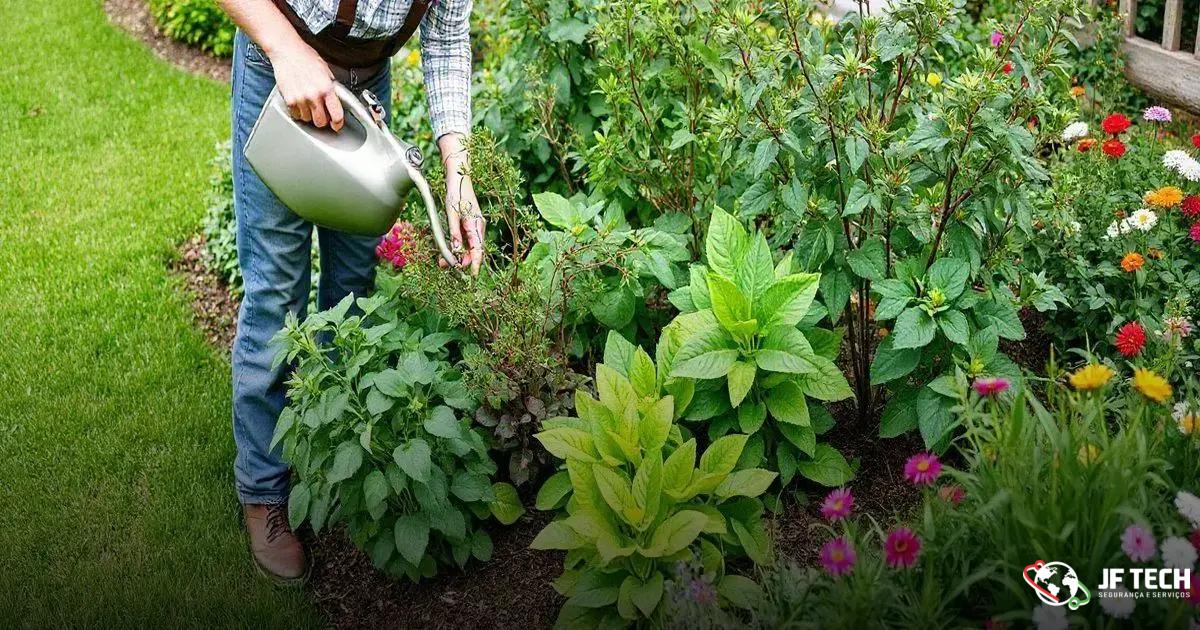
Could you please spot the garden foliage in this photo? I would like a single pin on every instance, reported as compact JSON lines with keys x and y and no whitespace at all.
{"x":200,"y":23}
{"x":382,"y":441}
{"x":637,"y":501}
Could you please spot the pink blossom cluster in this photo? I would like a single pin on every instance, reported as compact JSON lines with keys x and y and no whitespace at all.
{"x":396,"y":247}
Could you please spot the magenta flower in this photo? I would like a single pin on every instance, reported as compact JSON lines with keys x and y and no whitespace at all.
{"x":1157,"y":113}
{"x":1138,"y":543}
{"x":396,"y":247}
{"x":837,"y":505}
{"x":901,"y":548}
{"x":837,"y":556}
{"x":997,"y":38}
{"x":921,"y":469}
{"x":952,"y":494}
{"x":990,"y":385}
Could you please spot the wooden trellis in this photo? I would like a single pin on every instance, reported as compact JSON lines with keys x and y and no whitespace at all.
{"x":1161,"y":68}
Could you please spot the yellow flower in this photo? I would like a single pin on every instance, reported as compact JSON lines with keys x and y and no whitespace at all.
{"x":1088,"y":453}
{"x":1091,"y":376}
{"x":1187,"y":423}
{"x":933,"y":79}
{"x":1151,"y":385}
{"x":1165,"y":197}
{"x":413,"y":58}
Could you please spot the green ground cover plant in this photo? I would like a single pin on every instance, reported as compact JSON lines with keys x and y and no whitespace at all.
{"x":200,"y":23}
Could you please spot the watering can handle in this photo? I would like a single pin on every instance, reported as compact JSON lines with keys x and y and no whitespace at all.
{"x":359,"y":110}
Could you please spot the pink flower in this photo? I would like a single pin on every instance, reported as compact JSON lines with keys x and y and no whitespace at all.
{"x":837,"y":556}
{"x":1157,"y":113}
{"x":921,"y":469}
{"x":1138,"y":543}
{"x":837,"y":505}
{"x":901,"y":547}
{"x":952,"y":494}
{"x":997,"y":38}
{"x":990,"y":386}
{"x":1192,"y":596}
{"x":396,"y":247}
{"x":1194,"y":232}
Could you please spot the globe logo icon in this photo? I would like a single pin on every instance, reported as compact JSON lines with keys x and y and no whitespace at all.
{"x":1056,"y":584}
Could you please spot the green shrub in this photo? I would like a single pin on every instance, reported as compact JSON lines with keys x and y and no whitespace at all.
{"x":382,"y":441}
{"x":741,"y":338}
{"x":636,"y":503}
{"x":199,"y":23}
{"x":220,"y":223}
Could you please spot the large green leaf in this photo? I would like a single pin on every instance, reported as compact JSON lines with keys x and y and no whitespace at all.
{"x":827,"y":383}
{"x":506,"y":505}
{"x":726,"y":243}
{"x":729,"y":304}
{"x":442,"y":423}
{"x":827,"y":467}
{"x":412,"y":537}
{"x":914,"y":329}
{"x":954,"y":325}
{"x":556,"y":210}
{"x":950,"y":275}
{"x":746,"y":483}
{"x":722,"y":455}
{"x":740,"y":380}
{"x":413,"y":457}
{"x":757,"y":270}
{"x":787,"y":300}
{"x":550,"y":496}
{"x":868,"y":260}
{"x":675,"y":534}
{"x":891,"y":363}
{"x":346,"y":461}
{"x":785,"y":349}
{"x":568,"y":443}
{"x":786,"y":404}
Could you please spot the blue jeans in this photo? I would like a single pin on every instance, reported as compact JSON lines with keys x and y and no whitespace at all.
{"x":274,"y":249}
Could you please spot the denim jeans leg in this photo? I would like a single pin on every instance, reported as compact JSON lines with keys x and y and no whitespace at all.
{"x":274,"y":247}
{"x":348,"y":260}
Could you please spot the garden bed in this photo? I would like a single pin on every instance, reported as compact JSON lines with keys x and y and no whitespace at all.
{"x":134,"y":17}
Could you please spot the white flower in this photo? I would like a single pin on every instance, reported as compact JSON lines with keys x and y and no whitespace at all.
{"x":1178,"y":553}
{"x":1113,"y":230}
{"x":1118,"y":603}
{"x":1172,"y":159}
{"x":1190,"y":170}
{"x":1050,"y":618}
{"x":1072,"y":228}
{"x":1075,"y":131}
{"x":1144,"y":219}
{"x":1187,"y":503}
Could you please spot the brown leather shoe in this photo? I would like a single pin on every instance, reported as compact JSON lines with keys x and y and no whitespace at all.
{"x":277,"y":552}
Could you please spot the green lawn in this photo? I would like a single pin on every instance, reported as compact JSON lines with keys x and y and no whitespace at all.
{"x":116,"y":500}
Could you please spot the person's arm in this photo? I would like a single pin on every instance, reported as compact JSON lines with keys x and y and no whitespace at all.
{"x":304,"y":79}
{"x":446,"y":60}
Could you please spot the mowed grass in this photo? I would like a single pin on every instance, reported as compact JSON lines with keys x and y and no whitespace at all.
{"x":116,"y":500}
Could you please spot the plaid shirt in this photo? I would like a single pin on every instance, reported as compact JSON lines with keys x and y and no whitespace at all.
{"x":445,"y":49}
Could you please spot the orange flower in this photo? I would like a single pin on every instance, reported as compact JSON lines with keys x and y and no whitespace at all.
{"x":1165,"y":197}
{"x":1086,"y":145}
{"x":1155,"y":253}
{"x":1078,"y":91}
{"x":1132,"y":262}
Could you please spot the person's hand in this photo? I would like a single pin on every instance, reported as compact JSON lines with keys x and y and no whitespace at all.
{"x":462,"y":208}
{"x":465,"y":220}
{"x":306,"y":84}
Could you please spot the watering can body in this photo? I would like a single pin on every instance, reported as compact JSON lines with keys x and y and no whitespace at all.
{"x":352,"y":181}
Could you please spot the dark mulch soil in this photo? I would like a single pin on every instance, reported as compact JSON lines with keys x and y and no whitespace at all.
{"x":133,"y":16}
{"x":214,"y":308}
{"x":514,"y":589}
{"x":1033,"y":352}
{"x":511,"y":591}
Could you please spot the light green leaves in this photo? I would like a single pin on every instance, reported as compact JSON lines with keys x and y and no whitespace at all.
{"x":568,"y":443}
{"x":785,"y":349}
{"x":827,"y":467}
{"x":506,"y":505}
{"x":722,"y":455}
{"x":728,"y":303}
{"x":741,"y":379}
{"x":726,"y":242}
{"x":787,"y":300}
{"x":346,"y":461}
{"x":560,"y":212}
{"x":675,"y":533}
{"x":786,"y":404}
{"x":746,"y":483}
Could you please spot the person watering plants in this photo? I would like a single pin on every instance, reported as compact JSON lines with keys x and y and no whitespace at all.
{"x":303,"y":46}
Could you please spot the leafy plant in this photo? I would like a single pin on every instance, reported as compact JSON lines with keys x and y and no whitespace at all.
{"x":381,"y":439}
{"x":748,"y":336}
{"x":199,"y":23}
{"x":636,"y":501}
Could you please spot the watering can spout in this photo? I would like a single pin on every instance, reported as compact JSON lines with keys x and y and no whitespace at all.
{"x":347,"y":181}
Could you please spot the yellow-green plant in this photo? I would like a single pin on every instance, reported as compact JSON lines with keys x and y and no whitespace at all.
{"x":634,"y":500}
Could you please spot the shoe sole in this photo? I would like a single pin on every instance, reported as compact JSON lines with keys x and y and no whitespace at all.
{"x":278,"y":580}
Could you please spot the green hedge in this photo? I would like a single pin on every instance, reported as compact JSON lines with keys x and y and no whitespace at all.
{"x":199,"y":23}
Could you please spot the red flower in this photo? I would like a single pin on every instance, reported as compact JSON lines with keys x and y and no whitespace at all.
{"x":1130,"y":339}
{"x":1115,"y":124}
{"x":1194,"y":538}
{"x":1196,"y":141}
{"x":1113,"y":148}
{"x":1191,"y":206}
{"x":1008,"y":67}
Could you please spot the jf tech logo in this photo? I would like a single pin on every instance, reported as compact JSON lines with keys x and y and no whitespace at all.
{"x":1056,"y":584}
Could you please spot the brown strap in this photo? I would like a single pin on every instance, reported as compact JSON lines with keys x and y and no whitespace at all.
{"x":416,"y":13}
{"x":344,"y":21}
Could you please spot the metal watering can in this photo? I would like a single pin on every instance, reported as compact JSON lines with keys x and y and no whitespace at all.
{"x":351,"y":181}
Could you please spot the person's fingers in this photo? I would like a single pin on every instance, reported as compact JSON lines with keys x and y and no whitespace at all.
{"x":319,"y":117}
{"x":294,"y":110}
{"x":333,"y":105}
{"x":305,"y":113}
{"x":475,"y":240}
